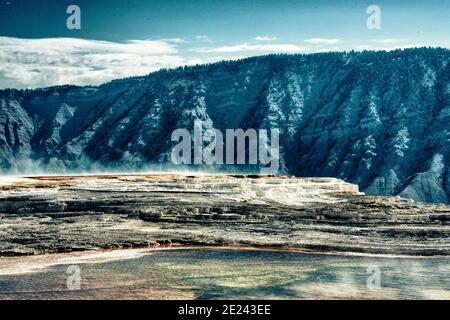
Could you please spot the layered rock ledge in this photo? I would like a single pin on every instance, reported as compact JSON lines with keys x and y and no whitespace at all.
{"x":75,"y":213}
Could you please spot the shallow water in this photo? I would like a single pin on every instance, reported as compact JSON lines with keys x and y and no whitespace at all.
{"x":239,"y":274}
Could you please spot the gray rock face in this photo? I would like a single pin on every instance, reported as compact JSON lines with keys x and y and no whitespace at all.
{"x":428,"y":186}
{"x":377,"y":119}
{"x":59,"y":214}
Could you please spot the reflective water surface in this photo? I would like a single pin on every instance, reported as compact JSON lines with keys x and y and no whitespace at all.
{"x":239,"y":274}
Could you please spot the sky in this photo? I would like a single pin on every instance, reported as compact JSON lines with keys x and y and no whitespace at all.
{"x":123,"y":38}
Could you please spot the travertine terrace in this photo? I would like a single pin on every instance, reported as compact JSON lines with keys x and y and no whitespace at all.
{"x":74,"y":213}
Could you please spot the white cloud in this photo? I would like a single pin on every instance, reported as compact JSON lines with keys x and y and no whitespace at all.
{"x":31,"y":63}
{"x":203,"y":38}
{"x":386,"y":44}
{"x":174,"y":40}
{"x":364,"y":47}
{"x":265,"y":38}
{"x":288,"y":48}
{"x":321,"y":41}
{"x":328,"y":49}
{"x":386,"y":41}
{"x":387,"y":48}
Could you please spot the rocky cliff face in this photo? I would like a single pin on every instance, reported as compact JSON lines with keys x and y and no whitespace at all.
{"x":377,"y":119}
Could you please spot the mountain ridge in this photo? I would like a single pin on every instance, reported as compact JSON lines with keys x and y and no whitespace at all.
{"x":377,"y":119}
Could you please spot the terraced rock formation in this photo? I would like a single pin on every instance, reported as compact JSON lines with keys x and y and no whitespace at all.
{"x":62,"y":214}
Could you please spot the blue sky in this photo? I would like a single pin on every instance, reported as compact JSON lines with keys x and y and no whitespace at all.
{"x":133,"y":37}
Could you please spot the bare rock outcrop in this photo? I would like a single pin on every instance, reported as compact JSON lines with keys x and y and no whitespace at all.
{"x":61,"y":214}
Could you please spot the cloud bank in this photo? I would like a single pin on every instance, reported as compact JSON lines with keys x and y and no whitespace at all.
{"x":244,"y":47}
{"x":321,"y":41}
{"x":265,"y":38}
{"x":31,"y":63}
